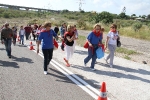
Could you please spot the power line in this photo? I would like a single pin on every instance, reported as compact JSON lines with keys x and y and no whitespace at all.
{"x":124,"y":10}
{"x":80,"y":4}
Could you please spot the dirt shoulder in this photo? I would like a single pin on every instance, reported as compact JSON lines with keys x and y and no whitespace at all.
{"x":140,"y":46}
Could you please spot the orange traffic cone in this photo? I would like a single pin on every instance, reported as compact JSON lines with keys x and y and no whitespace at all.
{"x":103,"y":94}
{"x":18,"y":40}
{"x":31,"y":46}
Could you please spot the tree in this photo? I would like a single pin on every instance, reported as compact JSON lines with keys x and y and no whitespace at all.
{"x":115,"y":16}
{"x":122,"y":16}
{"x":82,"y":11}
{"x":104,"y":17}
{"x":148,"y":16}
{"x":144,"y":16}
{"x":133,"y":15}
{"x":65,"y":11}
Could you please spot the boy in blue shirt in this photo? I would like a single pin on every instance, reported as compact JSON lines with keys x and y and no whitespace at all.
{"x":46,"y":37}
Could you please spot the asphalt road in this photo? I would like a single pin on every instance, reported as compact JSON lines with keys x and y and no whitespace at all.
{"x":22,"y":78}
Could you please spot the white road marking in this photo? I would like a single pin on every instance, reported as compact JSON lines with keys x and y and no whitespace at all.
{"x":85,"y":86}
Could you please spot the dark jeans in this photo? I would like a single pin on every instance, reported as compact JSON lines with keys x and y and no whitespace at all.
{"x":27,"y":36}
{"x":7,"y":43}
{"x":37,"y":37}
{"x":34,"y":36}
{"x":91,"y":55}
{"x":48,"y":53}
{"x":14,"y":40}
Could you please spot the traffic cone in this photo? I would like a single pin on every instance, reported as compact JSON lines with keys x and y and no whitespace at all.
{"x":31,"y":46}
{"x":103,"y":94}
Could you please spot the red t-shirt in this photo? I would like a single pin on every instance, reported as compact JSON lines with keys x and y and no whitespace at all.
{"x":28,"y":29}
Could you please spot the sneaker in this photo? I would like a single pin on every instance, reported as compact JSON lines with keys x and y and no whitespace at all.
{"x":106,"y":60}
{"x":68,"y":65}
{"x":45,"y":72}
{"x":93,"y":69}
{"x":111,"y":66}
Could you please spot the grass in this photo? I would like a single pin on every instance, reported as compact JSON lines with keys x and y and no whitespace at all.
{"x":127,"y":57}
{"x":81,"y":40}
{"x":125,"y":51}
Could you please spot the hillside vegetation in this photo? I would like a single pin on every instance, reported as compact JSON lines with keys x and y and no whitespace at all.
{"x":127,"y":25}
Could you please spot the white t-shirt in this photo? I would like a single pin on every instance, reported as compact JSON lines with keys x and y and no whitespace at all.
{"x":112,"y":38}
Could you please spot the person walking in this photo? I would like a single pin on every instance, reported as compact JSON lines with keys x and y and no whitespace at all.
{"x":14,"y":35}
{"x":3,"y":26}
{"x":28,"y":30}
{"x":21,"y":34}
{"x":62,"y":31}
{"x":94,"y":41}
{"x":76,"y":37}
{"x":56,"y":29}
{"x":46,"y":37}
{"x":38,"y":31}
{"x":102,"y":32}
{"x":69,"y":37}
{"x":6,"y":38}
{"x":111,"y":43}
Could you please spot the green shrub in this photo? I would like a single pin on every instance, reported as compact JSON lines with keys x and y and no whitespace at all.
{"x":148,"y":26}
{"x":137,"y":26}
{"x":81,"y":24}
{"x":6,"y":15}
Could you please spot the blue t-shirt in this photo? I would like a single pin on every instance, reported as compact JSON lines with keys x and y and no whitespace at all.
{"x":47,"y":39}
{"x":93,"y":39}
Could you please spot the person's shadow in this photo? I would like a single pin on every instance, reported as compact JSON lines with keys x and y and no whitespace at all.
{"x":61,"y":76}
{"x":22,"y":59}
{"x":117,"y":74}
{"x":8,"y":64}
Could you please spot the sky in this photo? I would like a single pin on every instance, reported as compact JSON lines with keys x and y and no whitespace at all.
{"x":138,"y":7}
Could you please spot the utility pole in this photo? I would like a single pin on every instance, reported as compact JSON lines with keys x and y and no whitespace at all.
{"x":124,"y":10}
{"x":80,"y":4}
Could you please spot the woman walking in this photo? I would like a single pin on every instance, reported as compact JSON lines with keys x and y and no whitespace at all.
{"x":94,"y":41}
{"x":21,"y":34}
{"x":76,"y":37}
{"x":14,"y":35}
{"x":46,"y":37}
{"x":69,"y":37}
{"x":111,"y":43}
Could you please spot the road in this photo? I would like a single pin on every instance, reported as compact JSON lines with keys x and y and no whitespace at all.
{"x":22,"y":78}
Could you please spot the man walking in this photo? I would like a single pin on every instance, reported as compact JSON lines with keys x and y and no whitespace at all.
{"x":6,"y":38}
{"x":28,"y":30}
